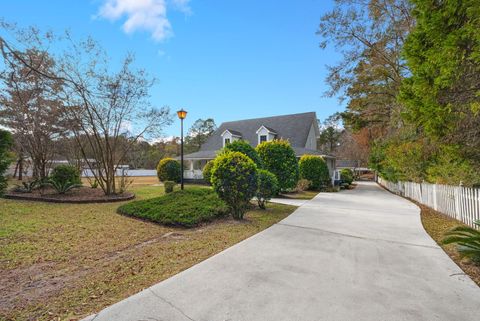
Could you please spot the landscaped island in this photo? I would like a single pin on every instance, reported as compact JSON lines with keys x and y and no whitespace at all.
{"x":69,"y":260}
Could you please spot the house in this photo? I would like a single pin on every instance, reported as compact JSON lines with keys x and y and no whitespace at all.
{"x":301,"y":130}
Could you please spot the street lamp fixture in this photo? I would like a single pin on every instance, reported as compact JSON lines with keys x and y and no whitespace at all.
{"x":182,"y":114}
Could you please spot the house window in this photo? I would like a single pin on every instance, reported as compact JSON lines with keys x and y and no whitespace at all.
{"x":263,"y":138}
{"x":227,"y":141}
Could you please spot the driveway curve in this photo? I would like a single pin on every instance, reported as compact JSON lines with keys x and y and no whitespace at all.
{"x":360,"y":254}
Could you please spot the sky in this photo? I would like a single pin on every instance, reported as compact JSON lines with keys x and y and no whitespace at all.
{"x":221,"y":59}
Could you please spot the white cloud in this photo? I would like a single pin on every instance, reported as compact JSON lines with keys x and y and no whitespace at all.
{"x":182,"y":6}
{"x":148,"y":15}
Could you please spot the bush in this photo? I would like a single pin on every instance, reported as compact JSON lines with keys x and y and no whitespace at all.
{"x":6,"y":142}
{"x":63,"y":187}
{"x":169,"y":185}
{"x":303,"y":185}
{"x":234,"y":179}
{"x":64,"y":175}
{"x":244,"y":148}
{"x":467,"y":239}
{"x":267,"y":187}
{"x":346,"y":176}
{"x":187,"y":208}
{"x":315,"y":169}
{"x":207,"y":172}
{"x":279,"y":158}
{"x":168,"y":169}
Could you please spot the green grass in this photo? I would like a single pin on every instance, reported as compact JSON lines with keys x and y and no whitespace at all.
{"x":305,"y":195}
{"x":187,"y":208}
{"x":71,"y":260}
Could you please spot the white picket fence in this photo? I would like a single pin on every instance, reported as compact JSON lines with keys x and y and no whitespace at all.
{"x":461,"y":203}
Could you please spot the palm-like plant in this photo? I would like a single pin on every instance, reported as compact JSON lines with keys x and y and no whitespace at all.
{"x":467,"y":239}
{"x":28,"y":187}
{"x":63,"y":187}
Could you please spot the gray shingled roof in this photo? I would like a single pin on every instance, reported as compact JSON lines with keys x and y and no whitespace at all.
{"x":293,"y":127}
{"x":211,"y":154}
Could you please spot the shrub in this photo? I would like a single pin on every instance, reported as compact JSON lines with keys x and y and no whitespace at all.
{"x":168,"y":169}
{"x":315,"y":169}
{"x":244,"y":148}
{"x":28,"y":186}
{"x":187,"y":208}
{"x":6,"y":142}
{"x":267,"y":187}
{"x":63,"y":187}
{"x":207,"y":172}
{"x":467,"y":239}
{"x":234,"y":179}
{"x":347,"y":176}
{"x":279,"y":158}
{"x":303,"y":185}
{"x":65,"y":175}
{"x":169,"y":185}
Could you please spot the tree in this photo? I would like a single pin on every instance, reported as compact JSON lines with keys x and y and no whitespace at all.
{"x":330,"y":132}
{"x":369,"y":34}
{"x":279,"y":158}
{"x":314,"y":169}
{"x":198,"y":134}
{"x":267,"y":187}
{"x":234,"y":179}
{"x":169,"y":169}
{"x":244,"y":148}
{"x":6,"y":143}
{"x":442,"y":93}
{"x":30,"y":107}
{"x":103,"y":107}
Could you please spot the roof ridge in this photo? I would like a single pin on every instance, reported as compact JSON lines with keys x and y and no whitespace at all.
{"x":258,"y":118}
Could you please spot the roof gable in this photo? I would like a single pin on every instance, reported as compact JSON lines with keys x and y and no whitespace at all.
{"x":294,"y":128}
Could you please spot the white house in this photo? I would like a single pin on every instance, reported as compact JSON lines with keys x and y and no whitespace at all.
{"x":301,"y":130}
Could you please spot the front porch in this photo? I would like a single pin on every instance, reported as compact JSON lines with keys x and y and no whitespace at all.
{"x":193,"y":168}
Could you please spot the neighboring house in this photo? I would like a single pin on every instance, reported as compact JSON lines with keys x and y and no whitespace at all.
{"x":301,"y":130}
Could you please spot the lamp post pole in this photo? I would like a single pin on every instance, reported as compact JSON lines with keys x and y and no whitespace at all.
{"x":181,"y":114}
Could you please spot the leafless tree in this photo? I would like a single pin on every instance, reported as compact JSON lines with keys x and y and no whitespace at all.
{"x":104,"y":107}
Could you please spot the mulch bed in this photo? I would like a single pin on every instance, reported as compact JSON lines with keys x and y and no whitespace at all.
{"x":78,"y":196}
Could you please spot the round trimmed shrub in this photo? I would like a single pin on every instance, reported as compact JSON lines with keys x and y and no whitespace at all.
{"x":244,"y":148}
{"x":347,"y":176}
{"x":279,"y":158}
{"x":234,"y":179}
{"x":267,"y":187}
{"x":65,"y":174}
{"x":315,"y":169}
{"x":207,"y":172}
{"x":169,"y":169}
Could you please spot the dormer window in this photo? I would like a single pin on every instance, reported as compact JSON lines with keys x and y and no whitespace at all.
{"x":265,"y":134}
{"x":229,"y":136}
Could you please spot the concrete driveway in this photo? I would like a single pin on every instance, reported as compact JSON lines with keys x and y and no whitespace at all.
{"x":360,"y":254}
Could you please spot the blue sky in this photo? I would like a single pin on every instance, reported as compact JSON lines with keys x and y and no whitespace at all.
{"x":224,"y":59}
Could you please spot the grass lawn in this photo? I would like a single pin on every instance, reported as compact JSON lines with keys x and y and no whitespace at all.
{"x":66,"y":261}
{"x":305,"y":195}
{"x":436,"y":224}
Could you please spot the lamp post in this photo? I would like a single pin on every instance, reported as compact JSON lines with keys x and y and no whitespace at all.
{"x":181,"y":114}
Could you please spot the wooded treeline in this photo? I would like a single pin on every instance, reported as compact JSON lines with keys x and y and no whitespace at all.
{"x":410,"y":75}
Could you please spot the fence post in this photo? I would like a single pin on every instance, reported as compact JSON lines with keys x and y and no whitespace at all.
{"x":457,"y":202}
